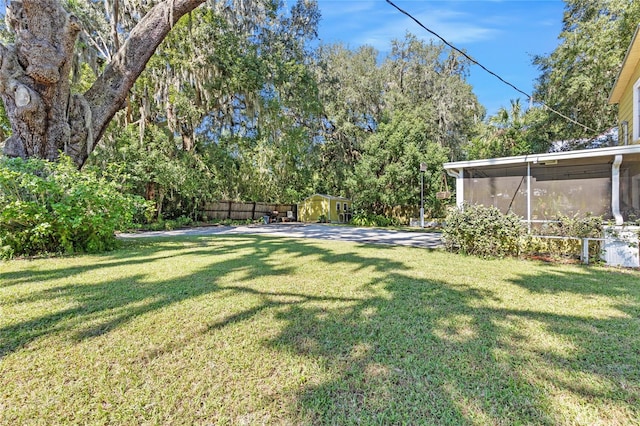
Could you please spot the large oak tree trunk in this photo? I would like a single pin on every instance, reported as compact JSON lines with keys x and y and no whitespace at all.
{"x":45,"y":117}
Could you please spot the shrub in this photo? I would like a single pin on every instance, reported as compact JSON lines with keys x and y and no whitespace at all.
{"x":168,"y":225}
{"x":483,"y":231}
{"x":370,"y":219}
{"x":564,"y":226}
{"x":52,"y":208}
{"x":581,"y":227}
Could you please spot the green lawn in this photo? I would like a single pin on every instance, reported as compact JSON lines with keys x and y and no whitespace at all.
{"x":259,"y":330}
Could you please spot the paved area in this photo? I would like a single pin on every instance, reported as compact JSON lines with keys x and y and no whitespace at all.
{"x":315,"y":231}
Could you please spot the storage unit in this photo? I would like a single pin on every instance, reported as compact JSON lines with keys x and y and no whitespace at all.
{"x":325,"y":208}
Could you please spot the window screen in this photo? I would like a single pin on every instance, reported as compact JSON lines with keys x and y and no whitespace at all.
{"x":502,"y":187}
{"x":570,"y":190}
{"x":630,"y":188}
{"x":567,"y":188}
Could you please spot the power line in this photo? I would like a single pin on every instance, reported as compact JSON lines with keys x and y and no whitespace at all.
{"x":529,"y":97}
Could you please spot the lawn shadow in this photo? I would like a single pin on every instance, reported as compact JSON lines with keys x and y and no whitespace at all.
{"x":438,"y":352}
{"x":87,"y":308}
{"x":403,"y":349}
{"x":135,"y":254}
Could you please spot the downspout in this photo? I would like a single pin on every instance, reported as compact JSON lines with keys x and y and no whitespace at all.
{"x":615,"y":189}
{"x":529,"y":196}
{"x":459,"y":175}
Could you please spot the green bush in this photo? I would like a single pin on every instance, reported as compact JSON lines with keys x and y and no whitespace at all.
{"x":54,"y":208}
{"x":564,"y":226}
{"x":581,"y":227}
{"x":370,"y":219}
{"x":168,"y":225}
{"x":483,"y":231}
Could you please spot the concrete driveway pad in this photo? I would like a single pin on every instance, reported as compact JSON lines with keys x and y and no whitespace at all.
{"x":313,"y":231}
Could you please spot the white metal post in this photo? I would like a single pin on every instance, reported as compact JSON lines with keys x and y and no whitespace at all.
{"x":529,"y":196}
{"x":423,"y":168}
{"x":422,"y":200}
{"x":459,"y":175}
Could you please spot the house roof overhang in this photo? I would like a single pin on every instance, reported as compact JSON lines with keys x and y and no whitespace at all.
{"x":629,"y":64}
{"x":546,"y":158}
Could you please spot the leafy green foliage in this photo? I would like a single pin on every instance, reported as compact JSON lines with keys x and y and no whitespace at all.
{"x":257,"y":117}
{"x":5,"y":125}
{"x":229,"y":125}
{"x":509,"y":132}
{"x":429,"y":76}
{"x":168,"y":225}
{"x":383,"y":121}
{"x":350,"y":89}
{"x":370,"y":219}
{"x":388,"y":173}
{"x":580,"y":227}
{"x":483,"y":231}
{"x":577,"y":77}
{"x":564,"y":226}
{"x":154,"y":167}
{"x":52,"y":207}
{"x":486,"y":232}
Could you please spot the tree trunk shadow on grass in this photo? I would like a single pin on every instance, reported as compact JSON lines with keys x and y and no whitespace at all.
{"x":395,"y":348}
{"x":134,"y":295}
{"x":433,"y":354}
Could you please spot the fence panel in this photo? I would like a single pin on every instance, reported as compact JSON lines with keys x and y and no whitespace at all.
{"x":233,"y":210}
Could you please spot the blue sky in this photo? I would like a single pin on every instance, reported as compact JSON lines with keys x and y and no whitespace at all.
{"x":502,"y":35}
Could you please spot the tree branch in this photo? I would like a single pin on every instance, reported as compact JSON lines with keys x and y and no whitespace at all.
{"x":109,"y":92}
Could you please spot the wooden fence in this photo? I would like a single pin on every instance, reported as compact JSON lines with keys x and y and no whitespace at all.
{"x":244,"y":211}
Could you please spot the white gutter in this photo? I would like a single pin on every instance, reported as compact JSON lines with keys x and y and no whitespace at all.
{"x":542,"y":158}
{"x":615,"y":190}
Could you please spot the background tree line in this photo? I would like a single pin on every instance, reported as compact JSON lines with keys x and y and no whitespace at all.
{"x":575,"y":80}
{"x":261,"y":112}
{"x":242,"y":102}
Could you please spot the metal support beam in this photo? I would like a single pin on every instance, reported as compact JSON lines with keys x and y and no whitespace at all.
{"x":529,"y":196}
{"x":459,"y":175}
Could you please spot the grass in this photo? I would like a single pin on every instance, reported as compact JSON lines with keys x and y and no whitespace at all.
{"x":262,"y":330}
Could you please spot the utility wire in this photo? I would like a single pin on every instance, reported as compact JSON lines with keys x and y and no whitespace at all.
{"x":529,"y":97}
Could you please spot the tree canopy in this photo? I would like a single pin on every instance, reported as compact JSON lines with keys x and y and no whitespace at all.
{"x":578,"y":76}
{"x":240,"y":100}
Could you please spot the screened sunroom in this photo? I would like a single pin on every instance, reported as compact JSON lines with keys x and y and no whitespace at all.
{"x":540,"y":187}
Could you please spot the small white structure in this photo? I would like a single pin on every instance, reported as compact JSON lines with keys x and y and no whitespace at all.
{"x":621,"y":247}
